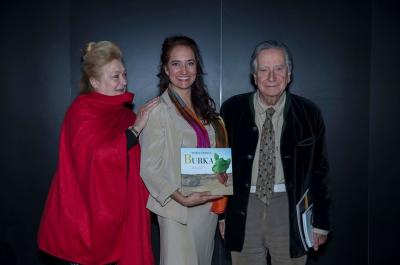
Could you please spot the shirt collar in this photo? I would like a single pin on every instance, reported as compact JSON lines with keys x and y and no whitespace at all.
{"x":261,"y":107}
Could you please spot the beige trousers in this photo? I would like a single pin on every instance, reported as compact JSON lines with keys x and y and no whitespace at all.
{"x":267,"y":231}
{"x":190,"y":244}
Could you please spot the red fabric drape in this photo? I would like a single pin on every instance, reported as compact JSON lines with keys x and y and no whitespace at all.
{"x":95,"y":211}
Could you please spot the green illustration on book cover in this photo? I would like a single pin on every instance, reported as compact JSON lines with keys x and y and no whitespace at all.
{"x":206,"y":169}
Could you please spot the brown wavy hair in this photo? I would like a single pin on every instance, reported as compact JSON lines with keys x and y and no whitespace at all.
{"x":203,"y":104}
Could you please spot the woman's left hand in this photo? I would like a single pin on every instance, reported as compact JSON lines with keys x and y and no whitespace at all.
{"x":143,"y":114}
{"x":221,"y":226}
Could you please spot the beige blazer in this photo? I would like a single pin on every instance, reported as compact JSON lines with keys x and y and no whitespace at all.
{"x":160,"y":142}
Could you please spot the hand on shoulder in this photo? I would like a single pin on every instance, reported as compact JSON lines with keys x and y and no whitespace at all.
{"x":143,"y":114}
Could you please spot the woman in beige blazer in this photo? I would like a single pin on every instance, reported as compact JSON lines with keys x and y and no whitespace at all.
{"x":187,"y":226}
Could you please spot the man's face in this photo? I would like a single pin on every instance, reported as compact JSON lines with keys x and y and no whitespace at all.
{"x":272,"y":74}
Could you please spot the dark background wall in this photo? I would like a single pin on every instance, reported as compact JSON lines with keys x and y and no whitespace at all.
{"x":384,"y":128}
{"x":35,"y":92}
{"x":344,"y":60}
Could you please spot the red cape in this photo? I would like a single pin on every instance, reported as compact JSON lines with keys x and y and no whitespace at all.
{"x":96,"y":212}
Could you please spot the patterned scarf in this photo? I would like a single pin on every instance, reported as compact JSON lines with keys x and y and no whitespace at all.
{"x":203,"y":140}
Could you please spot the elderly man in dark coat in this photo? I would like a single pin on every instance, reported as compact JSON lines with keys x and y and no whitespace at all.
{"x":278,"y":154}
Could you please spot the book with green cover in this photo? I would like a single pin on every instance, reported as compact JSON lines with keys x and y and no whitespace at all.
{"x":206,"y":169}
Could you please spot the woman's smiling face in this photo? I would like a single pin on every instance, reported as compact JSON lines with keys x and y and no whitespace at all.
{"x":181,"y":68}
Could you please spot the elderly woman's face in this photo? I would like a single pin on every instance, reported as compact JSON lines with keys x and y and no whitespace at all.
{"x":112,"y":80}
{"x":181,"y":68}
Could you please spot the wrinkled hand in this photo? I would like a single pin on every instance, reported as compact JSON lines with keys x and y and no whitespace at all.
{"x":143,"y":114}
{"x":221,"y":226}
{"x":319,"y":240}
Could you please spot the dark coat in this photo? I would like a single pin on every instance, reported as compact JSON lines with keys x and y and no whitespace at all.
{"x":304,"y":163}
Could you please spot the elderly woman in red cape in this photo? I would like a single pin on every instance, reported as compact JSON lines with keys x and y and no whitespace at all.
{"x":95,"y":212}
